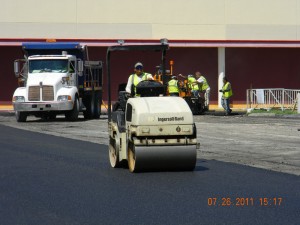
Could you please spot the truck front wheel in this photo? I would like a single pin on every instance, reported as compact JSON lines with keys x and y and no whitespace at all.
{"x":21,"y":116}
{"x":73,"y":114}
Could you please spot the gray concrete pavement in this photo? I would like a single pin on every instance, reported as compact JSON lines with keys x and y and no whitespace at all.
{"x":263,"y":142}
{"x":271,"y":143}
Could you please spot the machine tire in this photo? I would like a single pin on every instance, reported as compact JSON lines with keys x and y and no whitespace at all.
{"x":21,"y":116}
{"x":113,"y":155}
{"x":131,"y":158}
{"x":73,"y":114}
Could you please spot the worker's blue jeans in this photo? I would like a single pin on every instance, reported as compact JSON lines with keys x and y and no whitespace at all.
{"x":226,"y":105}
{"x":195,"y":93}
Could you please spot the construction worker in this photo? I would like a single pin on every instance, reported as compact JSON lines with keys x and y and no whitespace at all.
{"x":193,"y":85}
{"x":227,"y":93}
{"x":135,"y":78}
{"x":203,"y":88}
{"x":173,"y":86}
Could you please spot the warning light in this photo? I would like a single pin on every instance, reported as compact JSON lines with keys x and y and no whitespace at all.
{"x":50,"y":40}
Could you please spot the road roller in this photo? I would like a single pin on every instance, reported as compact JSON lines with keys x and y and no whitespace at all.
{"x":152,"y":132}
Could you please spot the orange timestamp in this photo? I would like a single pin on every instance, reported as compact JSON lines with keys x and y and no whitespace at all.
{"x":244,"y":201}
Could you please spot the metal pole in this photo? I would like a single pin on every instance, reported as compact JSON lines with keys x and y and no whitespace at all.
{"x":164,"y":78}
{"x":221,"y":72}
{"x":108,"y":84}
{"x":282,"y":100}
{"x":163,"y":59}
{"x":247,"y":94}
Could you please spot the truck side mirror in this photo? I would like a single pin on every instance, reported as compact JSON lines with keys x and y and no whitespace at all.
{"x":17,"y":68}
{"x":80,"y":66}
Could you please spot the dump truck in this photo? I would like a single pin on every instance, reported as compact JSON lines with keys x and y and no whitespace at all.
{"x":57,"y":78}
{"x":153,"y":131}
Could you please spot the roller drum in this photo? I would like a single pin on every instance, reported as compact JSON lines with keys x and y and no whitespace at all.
{"x":163,"y":157}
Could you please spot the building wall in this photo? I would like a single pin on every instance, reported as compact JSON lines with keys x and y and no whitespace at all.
{"x":144,"y":19}
{"x":190,"y":20}
{"x":8,"y":81}
{"x":262,"y":68}
{"x":245,"y":68}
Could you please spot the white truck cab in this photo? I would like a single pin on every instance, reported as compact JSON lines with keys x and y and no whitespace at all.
{"x":54,"y":84}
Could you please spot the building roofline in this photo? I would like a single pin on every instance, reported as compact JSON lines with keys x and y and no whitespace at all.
{"x":172,"y":43}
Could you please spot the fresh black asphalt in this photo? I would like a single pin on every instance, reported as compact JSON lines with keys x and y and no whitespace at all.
{"x":51,"y":180}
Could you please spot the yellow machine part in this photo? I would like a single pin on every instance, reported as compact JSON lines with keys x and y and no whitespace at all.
{"x":185,"y":90}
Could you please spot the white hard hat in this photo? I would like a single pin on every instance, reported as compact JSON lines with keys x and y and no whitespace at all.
{"x":138,"y":64}
{"x":190,"y":75}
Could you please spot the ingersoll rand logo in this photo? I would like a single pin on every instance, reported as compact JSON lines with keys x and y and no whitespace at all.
{"x":169,"y":119}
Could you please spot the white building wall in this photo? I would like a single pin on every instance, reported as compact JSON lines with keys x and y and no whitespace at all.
{"x":151,"y":19}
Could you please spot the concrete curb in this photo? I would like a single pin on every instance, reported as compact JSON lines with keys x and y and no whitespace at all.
{"x":262,"y":114}
{"x":7,"y":113}
{"x":287,"y":116}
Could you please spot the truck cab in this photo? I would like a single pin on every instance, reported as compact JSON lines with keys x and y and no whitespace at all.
{"x":53,"y":84}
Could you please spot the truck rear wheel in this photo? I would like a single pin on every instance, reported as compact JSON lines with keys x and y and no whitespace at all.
{"x":97,"y":106}
{"x":21,"y":116}
{"x":89,"y":104}
{"x":93,"y":106}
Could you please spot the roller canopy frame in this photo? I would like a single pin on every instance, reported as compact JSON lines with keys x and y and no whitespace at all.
{"x":157,"y":48}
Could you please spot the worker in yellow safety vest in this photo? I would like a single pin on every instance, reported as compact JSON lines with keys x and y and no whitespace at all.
{"x":227,"y":93}
{"x":203,"y":88}
{"x":193,"y":85}
{"x":135,"y":78}
{"x":173,"y":87}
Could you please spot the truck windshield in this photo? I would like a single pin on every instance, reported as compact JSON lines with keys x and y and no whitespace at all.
{"x":52,"y":66}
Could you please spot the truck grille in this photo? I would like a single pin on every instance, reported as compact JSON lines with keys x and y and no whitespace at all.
{"x":47,"y":93}
{"x":34,"y":93}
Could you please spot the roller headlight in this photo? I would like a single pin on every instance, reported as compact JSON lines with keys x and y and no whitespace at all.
{"x":64,"y":98}
{"x":18,"y":99}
